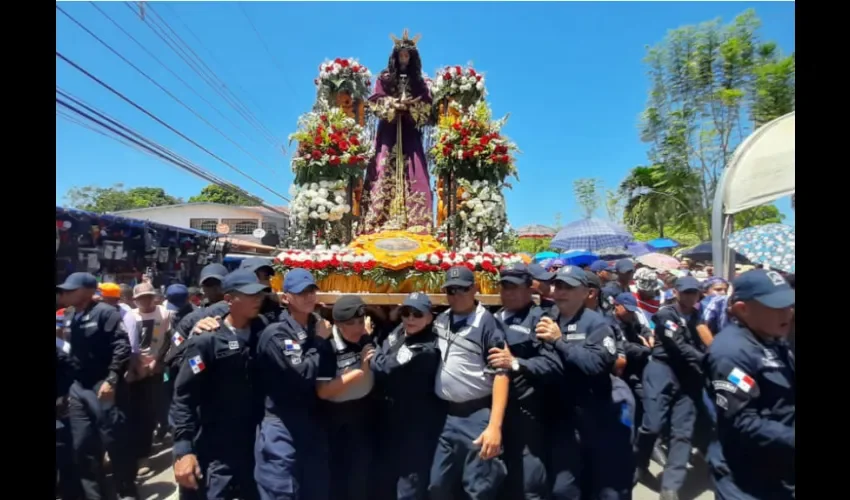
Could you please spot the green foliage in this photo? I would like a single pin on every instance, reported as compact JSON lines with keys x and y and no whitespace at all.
{"x":711,"y":86}
{"x":214,"y":193}
{"x":586,"y":191}
{"x":116,"y":198}
{"x":757,"y":216}
{"x":532,"y":245}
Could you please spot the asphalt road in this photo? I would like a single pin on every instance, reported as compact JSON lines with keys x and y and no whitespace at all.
{"x":160,"y":485}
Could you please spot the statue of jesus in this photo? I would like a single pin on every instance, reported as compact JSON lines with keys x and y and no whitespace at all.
{"x":397,"y":188}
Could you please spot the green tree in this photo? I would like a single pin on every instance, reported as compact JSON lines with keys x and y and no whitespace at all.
{"x":214,"y":193}
{"x":116,"y":198}
{"x":711,"y":86}
{"x":533,"y":245}
{"x":756,"y":216}
{"x":586,"y":191}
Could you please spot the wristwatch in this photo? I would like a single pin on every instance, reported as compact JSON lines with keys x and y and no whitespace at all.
{"x":515,"y":365}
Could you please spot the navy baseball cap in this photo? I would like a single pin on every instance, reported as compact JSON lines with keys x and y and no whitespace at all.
{"x":419,"y":301}
{"x":257,"y":263}
{"x":213,"y":272}
{"x":609,"y":292}
{"x":624,"y":266}
{"x":243,"y":281}
{"x":593,"y":280}
{"x":572,"y":276}
{"x":515,"y":273}
{"x":298,"y":280}
{"x":537,"y":272}
{"x":627,"y":300}
{"x":349,"y":307}
{"x":687,"y":284}
{"x":459,"y":276}
{"x":600,"y":265}
{"x":177,"y":296}
{"x":767,"y":287}
{"x":75,"y":281}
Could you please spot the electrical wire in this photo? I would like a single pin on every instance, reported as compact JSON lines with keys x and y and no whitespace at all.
{"x":166,"y":125}
{"x":159,"y":86}
{"x":132,"y":138}
{"x":266,"y":46}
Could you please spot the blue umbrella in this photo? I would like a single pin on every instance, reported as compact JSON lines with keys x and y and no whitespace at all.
{"x":545,"y":255}
{"x":591,"y":235}
{"x":662,"y":243}
{"x":578,"y":257}
{"x":771,"y":245}
{"x":638,"y":248}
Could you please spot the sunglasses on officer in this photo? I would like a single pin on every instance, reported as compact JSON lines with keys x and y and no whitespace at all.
{"x":409,"y":311}
{"x":454,"y":290}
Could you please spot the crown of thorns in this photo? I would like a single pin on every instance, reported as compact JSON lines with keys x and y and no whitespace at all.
{"x":405,"y":42}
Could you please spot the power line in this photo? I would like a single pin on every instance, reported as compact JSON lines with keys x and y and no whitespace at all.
{"x":166,"y":125}
{"x":159,"y":86}
{"x":129,"y":137}
{"x":185,"y":52}
{"x":265,"y":46}
{"x":175,"y":75}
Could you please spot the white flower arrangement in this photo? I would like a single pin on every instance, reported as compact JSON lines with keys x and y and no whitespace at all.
{"x":481,"y":208}
{"x":345,"y":74}
{"x":487,"y":260}
{"x":318,"y":201}
{"x":463,"y":84}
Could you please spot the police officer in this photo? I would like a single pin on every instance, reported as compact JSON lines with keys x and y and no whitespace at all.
{"x":753,"y":380}
{"x":100,"y":354}
{"x":292,"y":356}
{"x":214,"y":422}
{"x":265,"y":271}
{"x":602,"y":269}
{"x":349,"y":411}
{"x":532,"y":365}
{"x":405,"y":367}
{"x":672,"y":384}
{"x":69,"y":480}
{"x":625,"y":270}
{"x":212,"y":276}
{"x":476,"y":396}
{"x":587,"y":348}
{"x":542,"y":284}
{"x":636,"y":343}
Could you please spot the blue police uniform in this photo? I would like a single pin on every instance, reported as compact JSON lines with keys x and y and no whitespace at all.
{"x":271,"y":309}
{"x":588,"y":351}
{"x":100,"y":352}
{"x":291,"y":451}
{"x":525,"y":440}
{"x":405,"y":367}
{"x":466,"y":384}
{"x":673,"y":387}
{"x":69,"y":480}
{"x":753,"y":381}
{"x":350,"y":416}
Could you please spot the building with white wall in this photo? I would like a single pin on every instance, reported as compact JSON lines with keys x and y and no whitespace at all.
{"x":241,"y":220}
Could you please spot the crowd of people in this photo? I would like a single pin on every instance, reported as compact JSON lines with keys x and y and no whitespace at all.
{"x":565,"y":392}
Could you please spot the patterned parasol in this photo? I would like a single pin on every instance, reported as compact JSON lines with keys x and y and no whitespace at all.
{"x":659,"y":261}
{"x":535,"y":231}
{"x":591,"y":235}
{"x":771,"y":245}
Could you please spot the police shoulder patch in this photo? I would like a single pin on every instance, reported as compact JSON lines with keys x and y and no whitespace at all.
{"x":609,"y":344}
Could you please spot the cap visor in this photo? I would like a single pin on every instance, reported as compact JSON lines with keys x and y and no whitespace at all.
{"x":778,"y":300}
{"x":569,"y":281}
{"x":419,"y":307}
{"x":300,"y":287}
{"x":457,"y":282}
{"x":66,"y":287}
{"x":137,"y":295}
{"x":252,"y":289}
{"x":630,"y":308}
{"x":688,"y":289}
{"x":516,"y":280}
{"x":212,"y":277}
{"x":544,"y":276}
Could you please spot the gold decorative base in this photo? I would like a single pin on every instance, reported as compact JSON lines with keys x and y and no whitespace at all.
{"x":395,"y":249}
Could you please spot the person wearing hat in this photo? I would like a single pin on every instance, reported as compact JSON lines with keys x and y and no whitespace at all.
{"x":636,"y":343}
{"x":625,"y":271}
{"x":213,"y":408}
{"x":587,"y":348}
{"x":405,"y":367}
{"x":532,"y":366}
{"x":348,"y":410}
{"x":293,"y":357}
{"x":100,"y":355}
{"x":110,"y":293}
{"x":476,"y":395}
{"x":213,"y":305}
{"x":265,"y":271}
{"x":753,"y":382}
{"x":66,"y":470}
{"x":604,"y":270}
{"x":672,"y":384}
{"x":542,"y":284}
{"x":178,"y":305}
{"x":149,"y":328}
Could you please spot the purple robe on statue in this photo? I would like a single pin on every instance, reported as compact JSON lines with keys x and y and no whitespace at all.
{"x":378,"y":187}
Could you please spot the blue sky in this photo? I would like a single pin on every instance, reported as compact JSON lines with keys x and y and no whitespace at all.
{"x":570,"y":74}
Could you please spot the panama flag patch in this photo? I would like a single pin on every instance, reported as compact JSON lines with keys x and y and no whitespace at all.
{"x":741,"y":380}
{"x":197,"y":364}
{"x":177,"y":339}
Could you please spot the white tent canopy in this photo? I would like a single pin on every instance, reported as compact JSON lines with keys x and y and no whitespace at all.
{"x":761,"y":171}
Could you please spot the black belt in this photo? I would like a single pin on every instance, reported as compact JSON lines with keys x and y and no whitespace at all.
{"x":467,"y":408}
